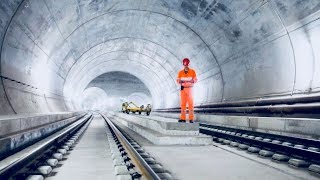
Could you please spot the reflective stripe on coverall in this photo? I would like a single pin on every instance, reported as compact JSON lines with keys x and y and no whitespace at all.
{"x":186,"y":96}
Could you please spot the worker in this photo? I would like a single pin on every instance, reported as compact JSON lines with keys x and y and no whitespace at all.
{"x":186,"y":79}
{"x":124,"y":107}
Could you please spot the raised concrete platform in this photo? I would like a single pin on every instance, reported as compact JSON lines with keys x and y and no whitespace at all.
{"x":162,"y":125}
{"x":163,"y":131}
{"x":18,"y":131}
{"x":299,"y":127}
{"x":213,"y":162}
{"x":11,"y":124}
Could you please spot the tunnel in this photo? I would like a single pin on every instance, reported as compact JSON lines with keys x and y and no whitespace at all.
{"x":257,"y":63}
{"x":51,"y":50}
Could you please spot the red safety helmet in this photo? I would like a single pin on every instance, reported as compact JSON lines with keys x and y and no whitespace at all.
{"x":186,"y":62}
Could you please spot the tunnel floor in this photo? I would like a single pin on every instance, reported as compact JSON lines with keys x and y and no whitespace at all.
{"x":216,"y":162}
{"x":91,"y":159}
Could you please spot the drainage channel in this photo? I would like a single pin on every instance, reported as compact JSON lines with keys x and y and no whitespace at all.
{"x":131,"y":161}
{"x":38,"y":160}
{"x":297,"y":152}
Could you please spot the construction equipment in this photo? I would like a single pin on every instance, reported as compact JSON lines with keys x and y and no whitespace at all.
{"x":132,"y":107}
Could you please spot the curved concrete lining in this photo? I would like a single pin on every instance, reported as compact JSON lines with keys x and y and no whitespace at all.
{"x":240,"y":49}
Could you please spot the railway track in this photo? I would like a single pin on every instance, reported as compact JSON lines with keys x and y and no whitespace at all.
{"x":38,"y":160}
{"x":297,"y":152}
{"x":132,"y":162}
{"x":129,"y":155}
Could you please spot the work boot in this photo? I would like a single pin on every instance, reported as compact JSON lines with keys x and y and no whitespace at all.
{"x":180,"y":120}
{"x":191,"y":121}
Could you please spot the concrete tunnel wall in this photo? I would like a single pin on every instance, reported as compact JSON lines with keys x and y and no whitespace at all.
{"x":245,"y":49}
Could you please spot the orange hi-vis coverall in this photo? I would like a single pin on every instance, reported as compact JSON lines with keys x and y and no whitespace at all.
{"x":186,"y":80}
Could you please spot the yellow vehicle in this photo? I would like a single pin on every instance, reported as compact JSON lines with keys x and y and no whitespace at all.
{"x":131,"y":107}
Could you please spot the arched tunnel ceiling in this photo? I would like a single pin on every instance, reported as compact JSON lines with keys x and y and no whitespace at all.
{"x":121,"y":87}
{"x":119,"y":84}
{"x":241,"y":49}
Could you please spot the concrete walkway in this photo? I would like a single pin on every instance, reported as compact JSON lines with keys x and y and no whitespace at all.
{"x":210,"y":162}
{"x":90,"y":158}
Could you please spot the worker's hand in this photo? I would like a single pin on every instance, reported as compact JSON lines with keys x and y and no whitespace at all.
{"x":190,"y":81}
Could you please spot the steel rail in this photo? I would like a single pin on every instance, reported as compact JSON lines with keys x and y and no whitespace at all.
{"x":312,"y":156}
{"x":5,"y":138}
{"x":10,"y":165}
{"x":138,"y":161}
{"x":295,"y":140}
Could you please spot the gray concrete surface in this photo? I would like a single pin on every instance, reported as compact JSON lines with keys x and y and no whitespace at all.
{"x":10,"y":124}
{"x":90,"y":158}
{"x":211,"y":162}
{"x":137,"y":137}
{"x":301,"y":173}
{"x":17,"y":131}
{"x":167,"y":126}
{"x":301,"y":127}
{"x":217,"y":162}
{"x":36,"y":146}
{"x":52,"y":50}
{"x":152,"y":130}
